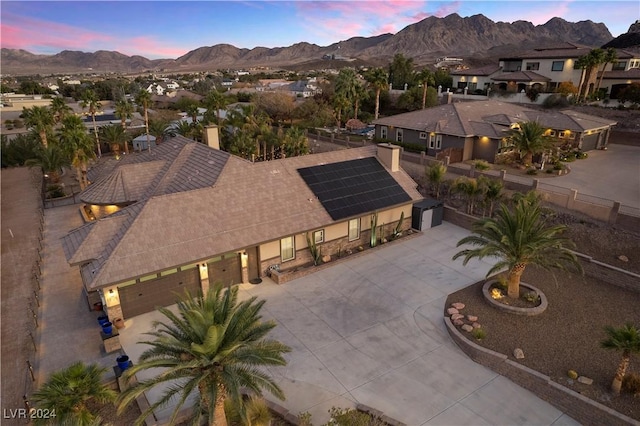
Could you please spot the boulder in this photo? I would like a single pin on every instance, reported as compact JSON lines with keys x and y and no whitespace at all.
{"x":452,"y":311}
{"x":518,"y":353}
{"x":467,"y":328}
{"x":585,"y":380}
{"x":458,"y":305}
{"x":476,"y":325}
{"x":326,"y":258}
{"x":458,"y":322}
{"x":456,"y":317}
{"x":472,"y":318}
{"x":623,"y":258}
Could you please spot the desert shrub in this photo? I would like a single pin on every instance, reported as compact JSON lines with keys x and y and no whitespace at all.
{"x":549,"y":171}
{"x":533,"y":94}
{"x":481,"y":164}
{"x":479,"y":333}
{"x":351,"y":417}
{"x":530,"y":296}
{"x":581,"y":155}
{"x":572,"y":374}
{"x":558,"y":166}
{"x":631,"y":383}
{"x":555,"y":101}
{"x":532,"y":171}
{"x":55,"y":191}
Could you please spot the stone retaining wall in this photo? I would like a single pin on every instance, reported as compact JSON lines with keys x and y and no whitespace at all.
{"x":584,"y":410}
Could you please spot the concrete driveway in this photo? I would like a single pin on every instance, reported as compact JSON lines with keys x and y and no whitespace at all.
{"x":613,"y":174}
{"x":370,"y":330}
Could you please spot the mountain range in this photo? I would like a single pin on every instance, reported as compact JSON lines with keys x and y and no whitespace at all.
{"x":476,"y":39}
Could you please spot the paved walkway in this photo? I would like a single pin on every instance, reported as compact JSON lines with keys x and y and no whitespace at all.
{"x":371,"y":330}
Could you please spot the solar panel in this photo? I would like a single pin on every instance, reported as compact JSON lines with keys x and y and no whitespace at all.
{"x":353,"y":187}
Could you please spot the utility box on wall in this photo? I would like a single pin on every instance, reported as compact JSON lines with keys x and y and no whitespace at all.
{"x":427,"y":214}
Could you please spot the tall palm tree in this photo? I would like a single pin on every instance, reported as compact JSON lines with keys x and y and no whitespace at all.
{"x":192,"y":111}
{"x":378,"y":78}
{"x":435,"y":175}
{"x":143,"y":98}
{"x":340,"y":104}
{"x":76,"y":143}
{"x":183,"y":128}
{"x":529,"y":138}
{"x":90,"y":101}
{"x":214,"y":345}
{"x":347,"y":85}
{"x":124,"y":111}
{"x":588,"y":63}
{"x":59,"y":109}
{"x":115,"y":136}
{"x":160,"y":128}
{"x":518,"y":238}
{"x":426,"y":78}
{"x":492,"y":191}
{"x":295,"y":142}
{"x":627,"y":340}
{"x":68,"y":391}
{"x":51,"y":159}
{"x":40,"y":119}
{"x":610,"y":56}
{"x":215,"y":101}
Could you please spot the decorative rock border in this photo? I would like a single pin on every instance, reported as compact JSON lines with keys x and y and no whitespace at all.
{"x":583,"y":409}
{"x":513,"y":309}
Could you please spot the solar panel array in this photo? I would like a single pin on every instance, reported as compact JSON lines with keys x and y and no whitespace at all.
{"x":350,"y":188}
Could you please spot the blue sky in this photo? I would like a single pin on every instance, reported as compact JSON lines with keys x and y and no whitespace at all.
{"x":169,"y":29}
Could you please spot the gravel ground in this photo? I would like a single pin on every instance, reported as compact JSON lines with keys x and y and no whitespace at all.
{"x":567,"y":335}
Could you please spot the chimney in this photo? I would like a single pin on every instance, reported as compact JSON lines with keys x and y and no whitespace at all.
{"x":211,"y":136}
{"x":389,"y":155}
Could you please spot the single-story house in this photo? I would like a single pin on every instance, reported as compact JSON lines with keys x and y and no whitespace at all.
{"x":140,"y":142}
{"x":187,"y":214}
{"x":477,"y":129}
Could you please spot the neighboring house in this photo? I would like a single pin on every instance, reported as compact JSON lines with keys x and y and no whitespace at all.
{"x":188,"y":215}
{"x":476,"y":129}
{"x":545,"y":68}
{"x":303,"y":88}
{"x":156,"y":89}
{"x":172,"y":85}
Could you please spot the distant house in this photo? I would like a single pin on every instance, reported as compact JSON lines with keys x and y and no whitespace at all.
{"x":545,"y":68}
{"x":477,"y":129}
{"x":186,"y":215}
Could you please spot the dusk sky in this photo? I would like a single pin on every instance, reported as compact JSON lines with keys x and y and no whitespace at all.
{"x":169,"y":29}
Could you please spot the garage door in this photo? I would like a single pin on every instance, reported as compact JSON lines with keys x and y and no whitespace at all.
{"x":590,"y":142}
{"x":226,"y":270}
{"x":144,"y":297}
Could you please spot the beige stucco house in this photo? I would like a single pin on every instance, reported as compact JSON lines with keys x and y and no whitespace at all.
{"x":186,"y":214}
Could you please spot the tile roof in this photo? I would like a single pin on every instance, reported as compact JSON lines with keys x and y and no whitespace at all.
{"x":631,"y":74}
{"x":462,"y":118}
{"x":486,"y":70}
{"x":520,"y":76}
{"x":249,"y":204}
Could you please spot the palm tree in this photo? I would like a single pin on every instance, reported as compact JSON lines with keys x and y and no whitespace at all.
{"x":143,"y":98}
{"x":160,"y":128}
{"x":115,"y":136}
{"x":518,"y":238}
{"x":627,"y":340}
{"x":378,"y":78}
{"x":529,"y":138}
{"x":76,"y":143}
{"x":435,"y":175}
{"x":470,"y":189}
{"x":588,"y":63}
{"x":68,"y":391}
{"x":610,"y":56}
{"x":59,"y":109}
{"x":90,"y":101}
{"x":51,"y":159}
{"x":124,"y":110}
{"x":40,"y":119}
{"x":295,"y":142}
{"x":214,"y":345}
{"x":340,"y":103}
{"x":183,"y":128}
{"x":192,"y":111}
{"x":215,"y":101}
{"x":347,"y":86}
{"x":492,"y":191}
{"x":426,"y":78}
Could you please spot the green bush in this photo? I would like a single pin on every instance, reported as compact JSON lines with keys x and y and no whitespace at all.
{"x":631,"y":383}
{"x":479,"y":333}
{"x":532,"y":171}
{"x":351,"y":417}
{"x":581,"y":155}
{"x":481,"y":164}
{"x":55,"y":191}
{"x":558,"y":166}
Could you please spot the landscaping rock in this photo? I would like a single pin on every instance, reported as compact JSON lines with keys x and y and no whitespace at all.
{"x":467,"y":328}
{"x":518,"y":353}
{"x":585,"y":380}
{"x":476,"y":325}
{"x":326,"y":258}
{"x":452,"y":311}
{"x":623,"y":258}
{"x":458,"y":322}
{"x":456,"y":317}
{"x":472,"y":318}
{"x":458,"y":305}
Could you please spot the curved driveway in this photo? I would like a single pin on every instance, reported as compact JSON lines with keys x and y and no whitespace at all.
{"x":370,"y":330}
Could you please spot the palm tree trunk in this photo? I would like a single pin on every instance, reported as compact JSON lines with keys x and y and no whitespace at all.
{"x":513,"y":289}
{"x":43,"y":138}
{"x":79,"y":176}
{"x":424,"y":96}
{"x":95,"y":132}
{"x":126,"y":144}
{"x":377,"y":103}
{"x":219,"y":416}
{"x":616,"y":385}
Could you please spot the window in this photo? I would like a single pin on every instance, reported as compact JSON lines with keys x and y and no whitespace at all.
{"x":383,"y":132}
{"x":619,"y":66}
{"x":533,"y":66}
{"x":438,"y":141}
{"x":354,"y":229}
{"x":318,"y":236}
{"x":552,"y":133}
{"x":287,"y":249}
{"x":557,"y":66}
{"x":423,"y":135}
{"x":399,"y":135}
{"x":561,"y":134}
{"x":432,"y":140}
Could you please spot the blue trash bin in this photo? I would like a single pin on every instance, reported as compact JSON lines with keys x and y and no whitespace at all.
{"x":102,"y":319}
{"x":107,"y":327}
{"x":123,"y":362}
